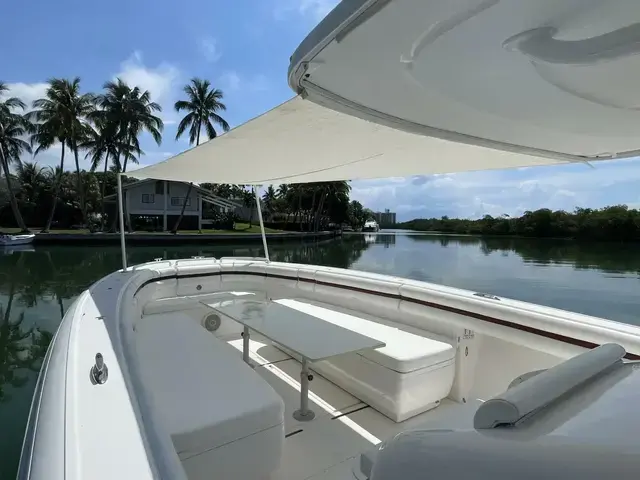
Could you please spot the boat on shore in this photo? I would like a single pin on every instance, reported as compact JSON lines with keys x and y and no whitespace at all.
{"x":8,"y":240}
{"x":248,"y":368}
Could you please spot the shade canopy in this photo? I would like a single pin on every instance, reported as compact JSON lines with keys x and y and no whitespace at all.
{"x":301,"y":142}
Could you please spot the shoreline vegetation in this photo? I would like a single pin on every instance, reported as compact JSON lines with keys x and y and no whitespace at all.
{"x":613,"y":223}
{"x":187,"y":237}
{"x":104,"y":129}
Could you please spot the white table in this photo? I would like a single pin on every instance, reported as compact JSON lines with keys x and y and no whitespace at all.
{"x":310,"y":337}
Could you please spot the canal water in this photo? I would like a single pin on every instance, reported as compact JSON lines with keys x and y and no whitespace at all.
{"x":37,"y":285}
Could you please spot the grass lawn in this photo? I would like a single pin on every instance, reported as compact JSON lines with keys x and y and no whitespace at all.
{"x":240,"y":228}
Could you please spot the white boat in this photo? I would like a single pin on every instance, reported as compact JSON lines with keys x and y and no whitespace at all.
{"x":147,"y":376}
{"x":7,"y":240}
{"x":370,"y":226}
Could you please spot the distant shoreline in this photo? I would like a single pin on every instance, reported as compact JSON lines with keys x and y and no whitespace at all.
{"x":511,"y":236}
{"x":161,"y":238}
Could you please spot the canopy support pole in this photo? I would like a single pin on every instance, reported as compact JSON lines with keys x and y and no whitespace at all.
{"x":123,"y":248}
{"x":264,"y":235}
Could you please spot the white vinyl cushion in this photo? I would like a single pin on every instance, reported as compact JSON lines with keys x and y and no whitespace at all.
{"x":206,"y":395}
{"x":404,"y":351}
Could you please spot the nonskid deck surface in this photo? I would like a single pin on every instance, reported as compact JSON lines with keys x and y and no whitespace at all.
{"x":328,"y":446}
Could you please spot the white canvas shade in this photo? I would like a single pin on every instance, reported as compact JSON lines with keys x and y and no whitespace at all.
{"x":301,"y":142}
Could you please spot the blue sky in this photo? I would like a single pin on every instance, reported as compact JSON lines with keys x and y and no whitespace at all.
{"x":243,"y":48}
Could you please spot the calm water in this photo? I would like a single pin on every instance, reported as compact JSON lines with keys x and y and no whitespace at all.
{"x":37,"y":286}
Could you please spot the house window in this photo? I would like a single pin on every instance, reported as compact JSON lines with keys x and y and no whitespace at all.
{"x":160,"y":188}
{"x":178,"y":201}
{"x":148,"y":198}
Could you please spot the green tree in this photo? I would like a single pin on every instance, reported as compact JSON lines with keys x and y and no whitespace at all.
{"x":63,"y":116}
{"x":203,"y":104}
{"x":13,"y":127}
{"x":32,"y":182}
{"x":130,"y":112}
{"x":49,"y":130}
{"x":357,"y":214}
{"x":101,"y":144}
{"x":269,"y":198}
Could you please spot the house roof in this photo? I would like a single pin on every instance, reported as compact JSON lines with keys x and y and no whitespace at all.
{"x":206,"y":194}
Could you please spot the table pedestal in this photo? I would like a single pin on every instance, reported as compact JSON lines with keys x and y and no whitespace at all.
{"x":304,"y":414}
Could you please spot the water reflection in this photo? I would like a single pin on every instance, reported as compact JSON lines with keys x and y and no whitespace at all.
{"x":607,"y":257}
{"x":386,"y":239}
{"x":22,"y":347}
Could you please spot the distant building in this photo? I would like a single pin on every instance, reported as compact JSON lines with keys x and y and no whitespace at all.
{"x":161,"y":201}
{"x":385,"y":218}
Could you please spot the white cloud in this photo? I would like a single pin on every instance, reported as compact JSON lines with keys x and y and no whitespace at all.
{"x":230,"y":80}
{"x":161,"y":80}
{"x":27,"y":92}
{"x":317,"y":8}
{"x":210,"y":50}
{"x":314,"y":9}
{"x":233,"y":81}
{"x":474,"y":194}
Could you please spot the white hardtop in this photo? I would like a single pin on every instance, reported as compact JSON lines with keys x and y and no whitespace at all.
{"x":415,"y":88}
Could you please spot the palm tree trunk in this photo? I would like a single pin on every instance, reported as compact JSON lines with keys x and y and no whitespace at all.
{"x":318,"y":215}
{"x":127,"y":224}
{"x":80,"y":190}
{"x":313,"y":206}
{"x":104,"y":182}
{"x":12,"y":197}
{"x":184,"y":205}
{"x":56,"y":192}
{"x":299,"y":212}
{"x":116,"y":217}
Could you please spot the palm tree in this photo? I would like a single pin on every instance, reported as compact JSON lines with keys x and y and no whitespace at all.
{"x":283,"y":190}
{"x":334,"y":191}
{"x":32,"y":180}
{"x":51,"y":130}
{"x":130,"y":111}
{"x":269,"y":198}
{"x":44,"y":138}
{"x":202,"y":106}
{"x":283,"y":195}
{"x":13,"y":127}
{"x":62,"y":117}
{"x":101,"y":144}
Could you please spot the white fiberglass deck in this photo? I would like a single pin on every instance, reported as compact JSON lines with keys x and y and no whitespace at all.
{"x":328,"y":446}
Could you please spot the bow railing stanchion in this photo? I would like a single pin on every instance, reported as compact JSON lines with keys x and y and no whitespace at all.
{"x":123,"y":247}
{"x":264,"y":236}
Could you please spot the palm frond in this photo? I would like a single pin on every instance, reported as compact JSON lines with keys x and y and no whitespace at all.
{"x":211,"y":132}
{"x":184,"y":123}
